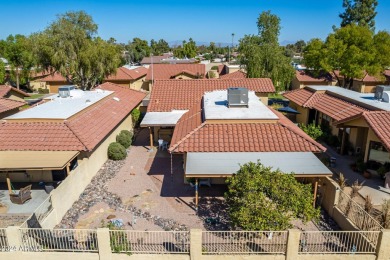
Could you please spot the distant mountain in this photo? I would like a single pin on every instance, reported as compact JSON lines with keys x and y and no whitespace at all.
{"x":218,"y":44}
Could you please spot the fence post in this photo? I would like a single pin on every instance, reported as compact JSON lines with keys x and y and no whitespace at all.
{"x":104,"y":245}
{"x":196,"y":244}
{"x":383,"y":246}
{"x":293,"y":238}
{"x":13,"y":237}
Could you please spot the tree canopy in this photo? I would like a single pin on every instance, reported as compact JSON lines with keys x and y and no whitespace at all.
{"x":260,"y":198}
{"x":160,"y":47}
{"x":69,"y":45}
{"x":359,"y":12}
{"x":261,"y":54}
{"x":187,"y":50}
{"x":138,"y":49}
{"x":2,"y":72}
{"x":350,"y":51}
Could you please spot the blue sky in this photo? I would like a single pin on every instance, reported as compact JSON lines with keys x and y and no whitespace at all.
{"x":173,"y":20}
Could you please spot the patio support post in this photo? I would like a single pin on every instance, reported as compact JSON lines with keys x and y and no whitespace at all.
{"x":151,"y":138}
{"x":196,"y":194}
{"x":342,"y":142}
{"x":67,"y":169}
{"x":315,"y":193}
{"x":9,"y":184}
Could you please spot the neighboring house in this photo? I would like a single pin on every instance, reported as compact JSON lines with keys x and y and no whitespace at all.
{"x":132,"y":78}
{"x":63,"y":132}
{"x":217,"y":135}
{"x":50,"y":81}
{"x":235,"y":75}
{"x":11,"y":100}
{"x":350,"y":115}
{"x":175,"y":71}
{"x":170,"y":99}
{"x":367,"y":84}
{"x":304,"y":78}
{"x":146,"y":61}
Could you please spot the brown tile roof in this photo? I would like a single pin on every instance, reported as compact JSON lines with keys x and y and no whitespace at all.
{"x":53,"y":77}
{"x":299,"y":96}
{"x":82,"y":132}
{"x":379,"y":122}
{"x":182,"y":94}
{"x":156,"y":59}
{"x":167,"y":71}
{"x":5,"y":89}
{"x":123,"y":73}
{"x":235,"y":75}
{"x":194,"y":135}
{"x":365,"y":78}
{"x":38,"y":136}
{"x":7,"y":104}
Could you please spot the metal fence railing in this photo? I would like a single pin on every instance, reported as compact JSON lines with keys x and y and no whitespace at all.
{"x":338,"y":242}
{"x":244,"y":242}
{"x":150,"y":242}
{"x":41,"y":212}
{"x":3,"y":239}
{"x":355,"y":213}
{"x":72,"y":240}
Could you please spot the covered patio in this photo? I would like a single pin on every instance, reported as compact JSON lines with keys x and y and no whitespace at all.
{"x":216,"y":166}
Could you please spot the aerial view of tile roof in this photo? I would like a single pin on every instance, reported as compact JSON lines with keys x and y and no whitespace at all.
{"x":379,"y":122}
{"x":156,"y":59}
{"x":7,"y":104}
{"x":128,"y":74}
{"x":53,"y":77}
{"x":5,"y":89}
{"x":192,"y":134}
{"x":82,"y":132}
{"x":235,"y":75}
{"x":303,"y":76}
{"x":334,"y":107}
{"x":168,"y":95}
{"x":167,"y":71}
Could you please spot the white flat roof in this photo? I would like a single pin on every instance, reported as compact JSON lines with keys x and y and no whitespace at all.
{"x":162,"y":118}
{"x":362,"y":98}
{"x":63,"y":108}
{"x":299,"y":163}
{"x":215,"y":107}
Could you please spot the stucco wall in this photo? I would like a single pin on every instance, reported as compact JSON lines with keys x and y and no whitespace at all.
{"x":263,"y":98}
{"x":69,"y":190}
{"x":371,"y":136}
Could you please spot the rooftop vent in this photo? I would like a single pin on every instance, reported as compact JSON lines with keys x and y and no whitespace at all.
{"x":379,"y":91}
{"x":237,"y":97}
{"x":64,"y":91}
{"x":386,"y":96}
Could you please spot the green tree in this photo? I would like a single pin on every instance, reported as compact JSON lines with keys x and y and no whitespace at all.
{"x":70,"y":47}
{"x":138,"y":49}
{"x":187,"y":50}
{"x":257,"y":202}
{"x":312,"y":130}
{"x":359,"y":12}
{"x":352,"y":51}
{"x":2,"y":72}
{"x":160,"y":47}
{"x":18,"y":52}
{"x":261,"y":54}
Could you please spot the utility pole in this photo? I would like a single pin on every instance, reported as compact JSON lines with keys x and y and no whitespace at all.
{"x":232,"y":42}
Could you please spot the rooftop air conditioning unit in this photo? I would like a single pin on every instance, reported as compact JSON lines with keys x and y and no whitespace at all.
{"x":379,"y":91}
{"x":64,"y":91}
{"x":238,"y":97}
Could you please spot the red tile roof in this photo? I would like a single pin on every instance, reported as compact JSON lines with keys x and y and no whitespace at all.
{"x":123,"y":73}
{"x":305,"y":77}
{"x":156,"y":59}
{"x":82,"y":132}
{"x":181,"y":94}
{"x":40,"y":136}
{"x":167,"y":71}
{"x":379,"y":121}
{"x":5,"y":89}
{"x":334,"y":107}
{"x":193,"y":135}
{"x":235,"y":75}
{"x":92,"y":125}
{"x":365,"y":78}
{"x":7,"y":104}
{"x":54,"y":77}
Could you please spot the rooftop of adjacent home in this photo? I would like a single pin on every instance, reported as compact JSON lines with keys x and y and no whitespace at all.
{"x":63,"y":105}
{"x":366,"y":100}
{"x":217,"y":105}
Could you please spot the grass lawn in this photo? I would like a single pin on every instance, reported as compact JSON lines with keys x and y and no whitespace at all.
{"x":275,"y":95}
{"x":35,"y":96}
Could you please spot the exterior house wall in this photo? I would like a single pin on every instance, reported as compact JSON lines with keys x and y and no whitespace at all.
{"x":139,"y":84}
{"x":53,"y":86}
{"x":371,"y":136}
{"x":303,"y":117}
{"x":89,"y":164}
{"x":263,"y":98}
{"x":15,"y":96}
{"x":35,"y":85}
{"x":296,"y":84}
{"x":184,"y":76}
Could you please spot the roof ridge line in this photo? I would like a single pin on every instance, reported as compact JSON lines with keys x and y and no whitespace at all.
{"x":310,"y":98}
{"x":78,"y":138}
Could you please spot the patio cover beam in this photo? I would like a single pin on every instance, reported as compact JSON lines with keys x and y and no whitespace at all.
{"x":35,"y":160}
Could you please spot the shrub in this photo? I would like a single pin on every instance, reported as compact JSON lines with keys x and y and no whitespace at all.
{"x":214,"y":67}
{"x":116,"y":151}
{"x":312,"y":130}
{"x":43,"y":91}
{"x":135,"y":115}
{"x":124,"y":138}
